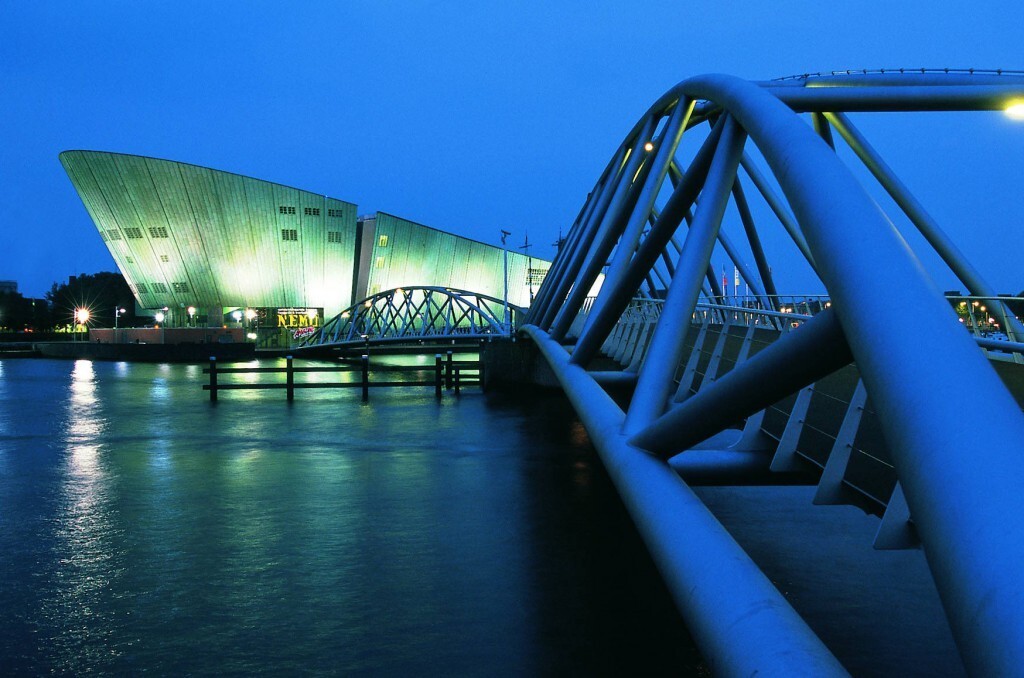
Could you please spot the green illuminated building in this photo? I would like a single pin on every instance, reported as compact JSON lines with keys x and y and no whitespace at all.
{"x":192,"y":237}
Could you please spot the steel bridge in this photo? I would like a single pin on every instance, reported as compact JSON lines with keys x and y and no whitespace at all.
{"x":420,"y":313}
{"x":697,"y":361}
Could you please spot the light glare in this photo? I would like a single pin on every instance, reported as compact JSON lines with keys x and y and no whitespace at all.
{"x":1015,"y":111}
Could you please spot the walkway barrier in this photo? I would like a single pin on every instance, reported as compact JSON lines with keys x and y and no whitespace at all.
{"x":445,"y":374}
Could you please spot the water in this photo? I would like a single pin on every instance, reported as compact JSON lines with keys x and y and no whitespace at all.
{"x":144,"y":529}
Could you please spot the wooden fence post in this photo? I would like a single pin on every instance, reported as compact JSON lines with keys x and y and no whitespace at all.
{"x":213,"y":379}
{"x":366,"y":377}
{"x":437,"y":375}
{"x":289,"y":378}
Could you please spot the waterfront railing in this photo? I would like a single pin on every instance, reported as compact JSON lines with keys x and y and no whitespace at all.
{"x":445,"y":374}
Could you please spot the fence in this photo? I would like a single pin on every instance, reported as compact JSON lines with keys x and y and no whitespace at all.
{"x":445,"y":374}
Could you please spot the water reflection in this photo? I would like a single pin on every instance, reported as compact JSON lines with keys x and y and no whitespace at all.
{"x":403,"y":536}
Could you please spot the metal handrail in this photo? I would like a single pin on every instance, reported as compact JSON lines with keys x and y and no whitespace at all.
{"x":879,"y":71}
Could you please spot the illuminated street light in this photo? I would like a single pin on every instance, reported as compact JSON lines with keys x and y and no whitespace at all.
{"x":159,"y":316}
{"x":81,"y":318}
{"x":1015,"y":111}
{"x":649,"y":146}
{"x":250,"y":313}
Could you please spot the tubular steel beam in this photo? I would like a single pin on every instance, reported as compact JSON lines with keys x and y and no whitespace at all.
{"x":905,"y":98}
{"x":776,"y":205}
{"x":607,"y":233}
{"x":655,"y":382}
{"x":661,"y":234}
{"x":740,"y":621}
{"x":802,"y":357}
{"x":924,"y":222}
{"x":578,"y":254}
{"x":963,"y":511}
{"x":666,"y":148}
{"x":763,"y":269}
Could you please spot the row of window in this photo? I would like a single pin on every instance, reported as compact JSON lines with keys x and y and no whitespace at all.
{"x":292,"y":235}
{"x":309,"y":211}
{"x":287,"y":234}
{"x":161,"y":288}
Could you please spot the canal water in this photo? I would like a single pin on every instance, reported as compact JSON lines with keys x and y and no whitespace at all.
{"x":143,"y":528}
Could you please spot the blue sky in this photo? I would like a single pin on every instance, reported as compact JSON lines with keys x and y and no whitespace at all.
{"x":467,"y":116}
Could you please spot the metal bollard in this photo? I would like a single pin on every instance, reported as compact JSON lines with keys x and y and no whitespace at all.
{"x":448,"y":376}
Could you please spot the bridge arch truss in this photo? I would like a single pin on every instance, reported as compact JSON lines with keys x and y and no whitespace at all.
{"x":413,"y":314}
{"x":651,"y":224}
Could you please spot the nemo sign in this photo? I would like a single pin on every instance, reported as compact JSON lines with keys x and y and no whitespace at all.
{"x":293,"y":318}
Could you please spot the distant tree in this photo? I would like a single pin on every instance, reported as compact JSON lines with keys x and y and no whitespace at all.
{"x":21,"y":314}
{"x":100,"y":293}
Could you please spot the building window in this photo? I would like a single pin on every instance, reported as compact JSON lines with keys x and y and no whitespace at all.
{"x":133,"y":233}
{"x":129,"y":260}
{"x":286,"y":209}
{"x":157,"y":231}
{"x":180,"y":287}
{"x":103,"y":235}
{"x":335,"y":213}
{"x":289,"y":234}
{"x":380,"y":262}
{"x":159,"y":288}
{"x":164,"y":258}
{"x":382,"y":241}
{"x":334,"y":236}
{"x":311,"y":211}
{"x":114,"y":234}
{"x":142,"y":288}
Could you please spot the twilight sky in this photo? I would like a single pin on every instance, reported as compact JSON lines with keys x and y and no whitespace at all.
{"x":466,"y":116}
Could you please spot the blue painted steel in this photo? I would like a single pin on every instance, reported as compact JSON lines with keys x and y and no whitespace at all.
{"x":741,"y":622}
{"x":414,"y":313}
{"x":655,"y":383}
{"x":963,"y":492}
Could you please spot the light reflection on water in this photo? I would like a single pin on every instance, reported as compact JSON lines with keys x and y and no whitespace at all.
{"x":145,"y":529}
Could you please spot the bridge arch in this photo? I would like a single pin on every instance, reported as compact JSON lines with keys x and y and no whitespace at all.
{"x":416,"y":313}
{"x":914,"y":379}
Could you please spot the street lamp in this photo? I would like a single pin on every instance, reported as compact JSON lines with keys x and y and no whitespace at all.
{"x":81,"y":318}
{"x":1015,"y":111}
{"x":118,"y":311}
{"x":192,"y":316}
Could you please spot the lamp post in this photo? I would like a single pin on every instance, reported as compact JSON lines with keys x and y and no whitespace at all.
{"x":117,"y":314}
{"x":506,"y":325}
{"x":81,"y":318}
{"x":529,"y":264}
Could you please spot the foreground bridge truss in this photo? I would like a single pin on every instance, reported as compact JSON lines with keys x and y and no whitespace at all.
{"x":413,"y":314}
{"x":651,"y":225}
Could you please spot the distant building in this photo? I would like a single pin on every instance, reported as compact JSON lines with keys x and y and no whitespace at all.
{"x":188,"y":237}
{"x":8,"y":287}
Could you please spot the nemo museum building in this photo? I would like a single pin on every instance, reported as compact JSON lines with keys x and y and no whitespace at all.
{"x":204,"y":246}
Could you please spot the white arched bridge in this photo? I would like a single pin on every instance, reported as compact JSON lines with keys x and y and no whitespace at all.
{"x":415,"y":314}
{"x":723,"y":388}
